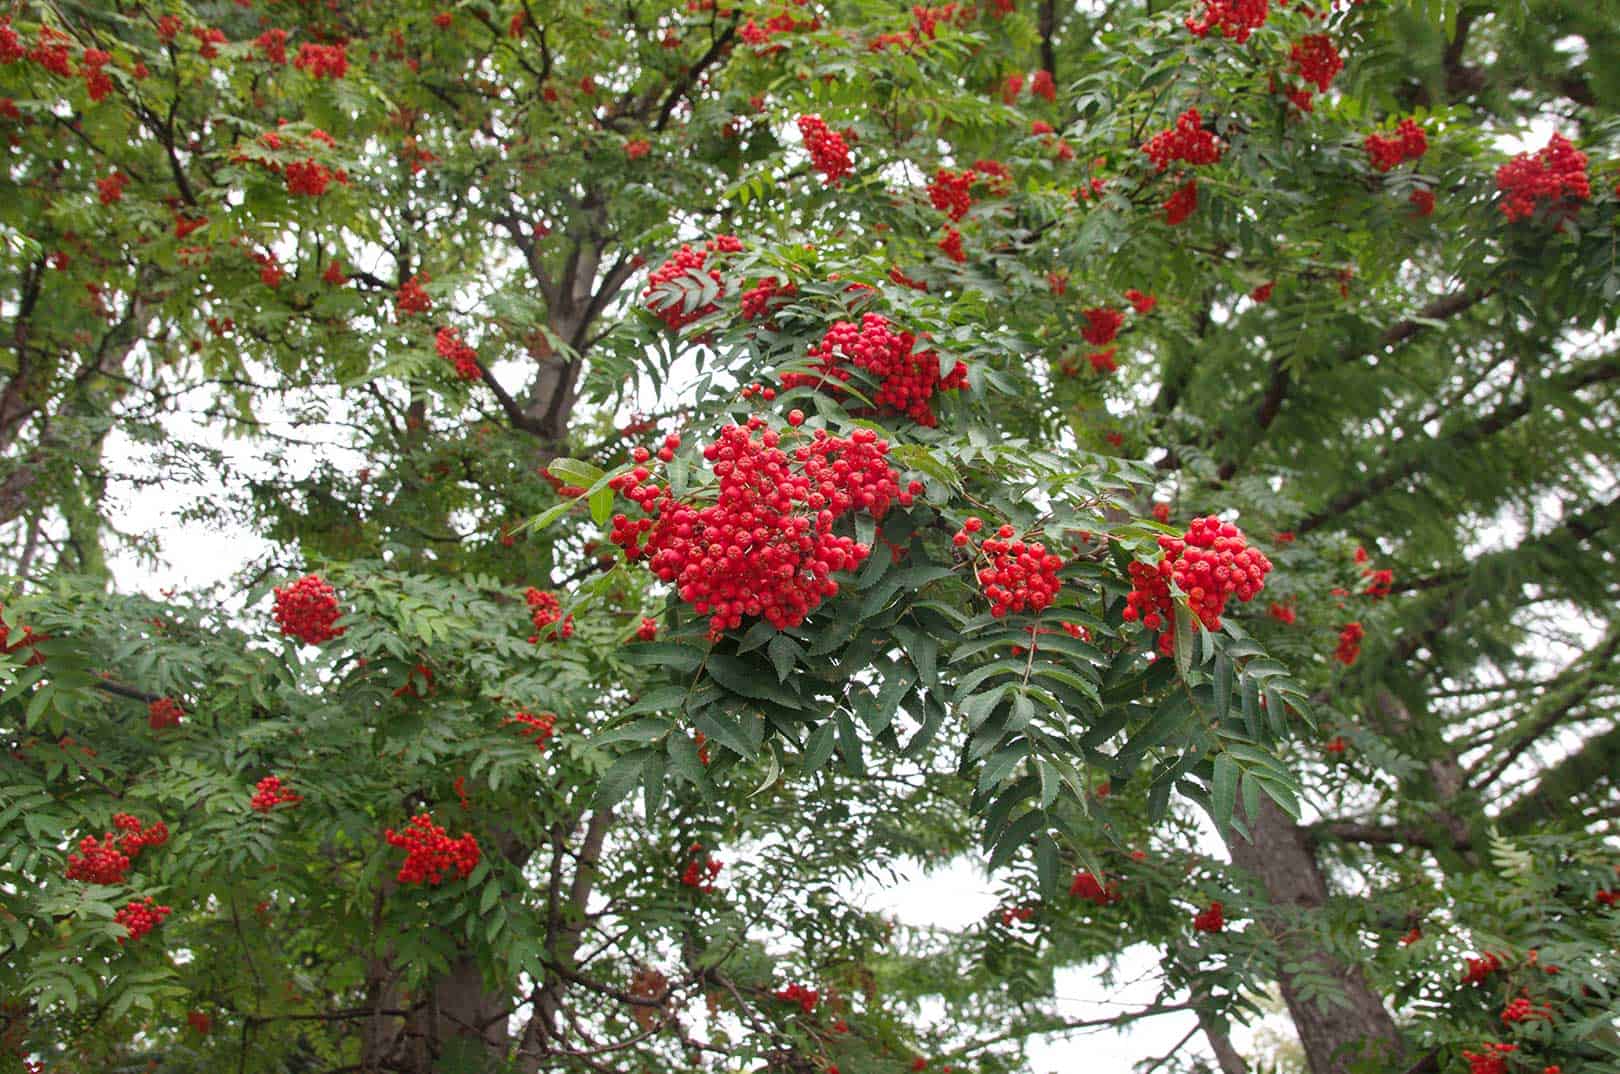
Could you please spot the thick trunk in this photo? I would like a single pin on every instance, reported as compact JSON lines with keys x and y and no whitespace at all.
{"x":1221,"y":1044}
{"x":1334,"y":1035}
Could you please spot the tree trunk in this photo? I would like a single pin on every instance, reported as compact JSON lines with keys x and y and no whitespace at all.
{"x":1334,"y":1035}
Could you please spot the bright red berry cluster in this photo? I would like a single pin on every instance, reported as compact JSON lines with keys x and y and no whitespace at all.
{"x":1493,"y":1060}
{"x":806,"y":998}
{"x":411,"y":298}
{"x":1523,"y":1010}
{"x":140,"y":916}
{"x":454,"y":349}
{"x":952,"y":192}
{"x":538,"y":728}
{"x":307,"y":610}
{"x":1182,"y":203}
{"x":544,"y":610}
{"x":908,"y":378}
{"x":430,"y":853}
{"x":1316,"y":61}
{"x":322,"y":61}
{"x":951,"y":246}
{"x":765,"y":547}
{"x":1478,"y":969}
{"x":689,"y":261}
{"x":1236,"y":19}
{"x":107,"y":860}
{"x":164,"y":712}
{"x":1212,"y":919}
{"x":1422,"y":201}
{"x":1102,"y":325}
{"x":701,"y":870}
{"x":110,"y":190}
{"x":1186,"y":141}
{"x":648,"y":630}
{"x":1554,"y":174}
{"x":829,"y":154}
{"x":1212,"y":564}
{"x":1018,"y":576}
{"x":1088,"y":887}
{"x":1349,"y":648}
{"x":1140,"y":301}
{"x":1409,"y":142}
{"x":756,"y":300}
{"x":308,"y":177}
{"x":269,"y":793}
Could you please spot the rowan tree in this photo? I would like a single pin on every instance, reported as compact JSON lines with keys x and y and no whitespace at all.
{"x":715,"y":455}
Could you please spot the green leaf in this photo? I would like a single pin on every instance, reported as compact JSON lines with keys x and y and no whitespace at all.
{"x":745,"y":678}
{"x":1184,"y":637}
{"x":1223,"y":687}
{"x":601,"y":504}
{"x":1016,"y":835}
{"x":638,"y":731}
{"x":1224,"y":790}
{"x":619,"y":779}
{"x":683,"y":754}
{"x":819,"y":747}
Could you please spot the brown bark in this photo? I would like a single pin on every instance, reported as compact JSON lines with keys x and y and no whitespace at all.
{"x":1334,"y":1036}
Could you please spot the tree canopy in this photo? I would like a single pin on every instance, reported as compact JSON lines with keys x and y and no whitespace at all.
{"x":710,"y":456}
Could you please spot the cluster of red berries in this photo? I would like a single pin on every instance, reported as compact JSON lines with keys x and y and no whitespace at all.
{"x":1088,"y":887}
{"x":1236,"y":19}
{"x":544,"y":610}
{"x":1212,"y":919}
{"x":307,"y":177}
{"x":1186,"y":141}
{"x":1349,"y":647}
{"x":1493,"y":1060}
{"x":1141,"y":301}
{"x":829,"y":153}
{"x":107,"y":860}
{"x":96,"y":82}
{"x":1316,"y":61}
{"x":272,"y":47}
{"x":538,"y":728}
{"x":701,"y":870}
{"x":1409,"y":142}
{"x":781,"y":23}
{"x":1422,"y":201}
{"x":110,"y":190}
{"x":164,"y":712}
{"x":648,"y":630}
{"x":952,"y":192}
{"x":29,"y":640}
{"x":307,"y":610}
{"x":322,"y":61}
{"x":430,"y":853}
{"x":1478,"y":969}
{"x":1019,"y":576}
{"x":1102,"y":325}
{"x":756,"y":300}
{"x":269,"y":793}
{"x":411,"y":298}
{"x":765,"y":547}
{"x":1554,"y":174}
{"x":1181,"y":203}
{"x":951,"y":246}
{"x":924,"y":21}
{"x":140,"y":916}
{"x":1283,"y":613}
{"x":1011,"y":915}
{"x":806,"y":998}
{"x":689,"y":261}
{"x":454,"y":349}
{"x":1522,"y":1010}
{"x":908,"y":378}
{"x":1212,"y":564}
